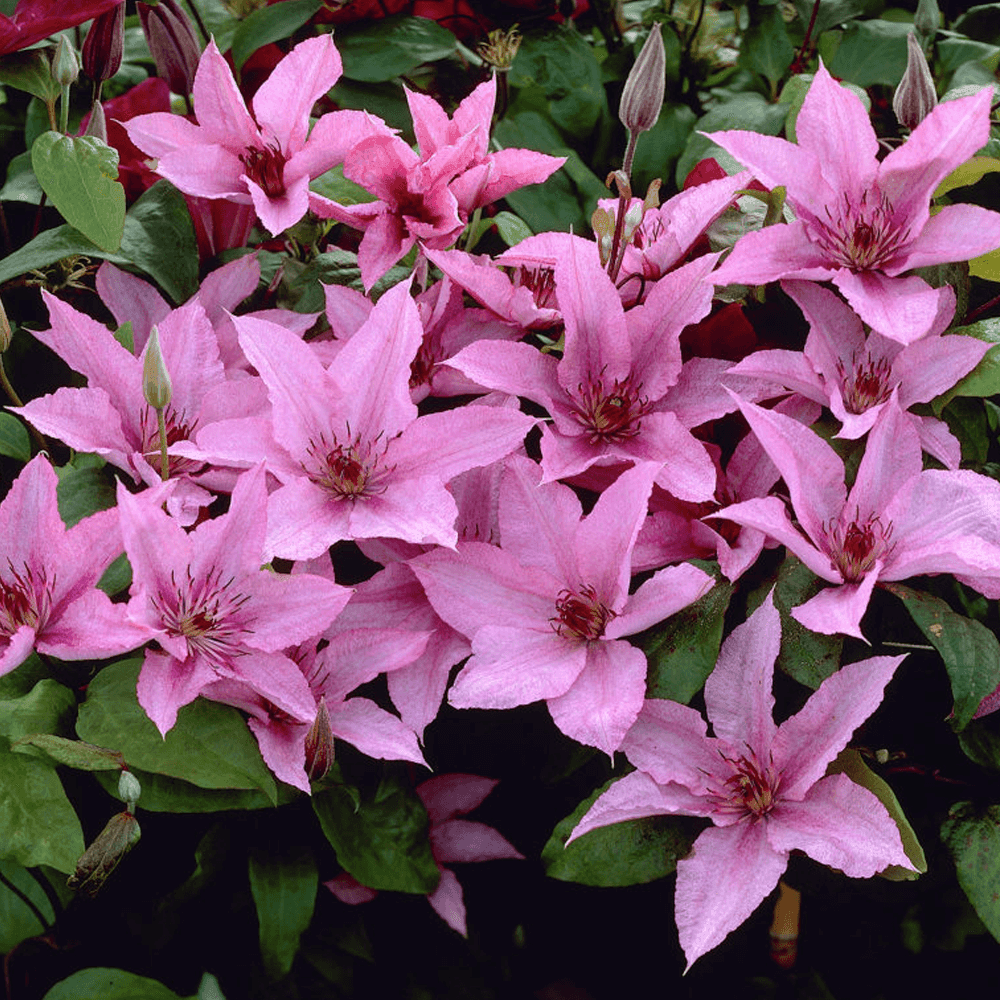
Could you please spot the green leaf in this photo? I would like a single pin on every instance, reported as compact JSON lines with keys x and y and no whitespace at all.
{"x":159,"y":239}
{"x":966,"y":419}
{"x":304,"y":290}
{"x":955,"y":52}
{"x":109,"y":984}
{"x":682,"y":652}
{"x":50,"y":246}
{"x":561,"y":65}
{"x":851,"y":763}
{"x":980,"y":741}
{"x":512,"y":228}
{"x":283,"y":880}
{"x":81,"y":492}
{"x":210,"y":745}
{"x":376,"y":51}
{"x":969,"y":649}
{"x":17,"y":920}
{"x":47,"y":708}
{"x":74,"y":753}
{"x":125,"y":336}
{"x":80,"y":176}
{"x":973,"y":840}
{"x":335,"y":186}
{"x":872,"y":52}
{"x":37,"y":823}
{"x":29,"y":71}
{"x":984,"y":379}
{"x":117,"y":577}
{"x":271,"y":24}
{"x":765,"y":48}
{"x":981,"y":22}
{"x":638,"y":850}
{"x":14,"y":440}
{"x":830,"y":13}
{"x":21,"y":184}
{"x":382,"y":841}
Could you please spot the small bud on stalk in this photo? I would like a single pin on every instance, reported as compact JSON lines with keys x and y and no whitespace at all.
{"x":98,"y":124}
{"x":104,"y":45}
{"x":319,"y":744}
{"x":129,"y":789}
{"x":642,"y":97}
{"x":5,"y":331}
{"x":915,"y":97}
{"x":65,"y":65}
{"x":172,"y":42}
{"x":927,"y":18}
{"x":158,"y":390}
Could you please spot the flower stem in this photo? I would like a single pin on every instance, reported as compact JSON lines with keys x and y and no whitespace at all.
{"x":64,"y":111}
{"x":161,"y":423}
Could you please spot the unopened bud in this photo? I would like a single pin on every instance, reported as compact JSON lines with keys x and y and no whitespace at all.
{"x":603,"y":224}
{"x":172,"y":43}
{"x":319,"y":744}
{"x":915,"y":97}
{"x":5,"y":332}
{"x":98,"y":124}
{"x":927,"y":19}
{"x":156,"y":385}
{"x":104,"y":45}
{"x":642,"y":97}
{"x":632,"y":219}
{"x":65,"y":65}
{"x":103,"y":856}
{"x":129,"y":789}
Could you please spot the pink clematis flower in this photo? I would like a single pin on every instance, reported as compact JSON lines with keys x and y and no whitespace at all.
{"x":214,"y":612}
{"x":453,"y":839}
{"x":897,"y":521}
{"x":266,"y":158}
{"x":606,"y":395}
{"x":855,"y":376}
{"x":49,"y":599}
{"x":356,"y":464}
{"x":861,"y":223}
{"x":547,"y":613}
{"x":428,"y":197}
{"x":762,"y":785}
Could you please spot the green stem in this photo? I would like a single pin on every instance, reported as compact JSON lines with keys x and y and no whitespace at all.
{"x":64,"y":111}
{"x":7,"y":387}
{"x":164,"y":458}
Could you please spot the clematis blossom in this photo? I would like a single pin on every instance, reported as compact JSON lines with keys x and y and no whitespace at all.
{"x":447,"y":798}
{"x":762,"y":785}
{"x":49,"y":599}
{"x":861,"y":222}
{"x":898,"y":520}
{"x":548,"y":611}
{"x":266,"y":158}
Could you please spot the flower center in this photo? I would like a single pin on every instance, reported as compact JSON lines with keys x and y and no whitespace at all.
{"x":266,"y":168}
{"x":610,"y":414}
{"x":855,"y":547}
{"x":350,"y":471}
{"x":540,"y":281}
{"x":862,"y":235}
{"x":751,"y":788}
{"x":177,"y":430}
{"x":868,"y":384}
{"x":580,"y":615}
{"x":206,"y":615}
{"x":25,"y":599}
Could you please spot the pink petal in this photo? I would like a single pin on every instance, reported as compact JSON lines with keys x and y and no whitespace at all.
{"x":279,"y":214}
{"x":447,"y":902}
{"x":764,"y":255}
{"x":656,"y":599}
{"x":167,"y":684}
{"x":349,"y":890}
{"x":903,"y":309}
{"x":839,"y":609}
{"x":374,"y":731}
{"x":283,"y":747}
{"x":462,"y":840}
{"x":956,"y":232}
{"x":449,"y":795}
{"x":218,"y":104}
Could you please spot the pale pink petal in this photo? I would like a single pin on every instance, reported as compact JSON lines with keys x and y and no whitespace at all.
{"x":161,"y":132}
{"x":374,"y":731}
{"x":510,"y":169}
{"x":16,"y":649}
{"x":283,"y":747}
{"x":448,"y":903}
{"x":518,"y":369}
{"x":132,"y":300}
{"x":167,"y":684}
{"x":903,"y":309}
{"x":656,"y":599}
{"x":463,"y":840}
{"x":764,"y":255}
{"x":385,"y":242}
{"x":205,"y":171}
{"x":839,"y":824}
{"x":956,"y":232}
{"x":932,"y":365}
{"x":839,"y":609}
{"x":449,"y":795}
{"x":279,"y":214}
{"x":349,"y":890}
{"x":218,"y":104}
{"x":90,"y":628}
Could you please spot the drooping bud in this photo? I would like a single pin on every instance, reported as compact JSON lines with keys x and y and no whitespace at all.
{"x":103,"y":856}
{"x":129,"y":789}
{"x":319,"y":744}
{"x":172,"y":42}
{"x":915,"y":97}
{"x":65,"y":65}
{"x":104,"y":45}
{"x":5,"y":332}
{"x":642,"y":97}
{"x":98,"y":124}
{"x":156,"y":385}
{"x":927,"y":19}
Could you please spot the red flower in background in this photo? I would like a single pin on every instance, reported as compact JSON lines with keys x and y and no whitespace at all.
{"x":34,"y":20}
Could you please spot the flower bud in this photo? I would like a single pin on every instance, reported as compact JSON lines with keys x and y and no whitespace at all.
{"x":171,"y":41}
{"x":642,"y":97}
{"x":65,"y":65}
{"x":98,"y":124}
{"x":927,"y":19}
{"x":319,"y":744}
{"x":5,"y":332}
{"x":915,"y":97}
{"x":104,"y":45}
{"x":129,"y":789}
{"x":102,"y":857}
{"x":156,"y":385}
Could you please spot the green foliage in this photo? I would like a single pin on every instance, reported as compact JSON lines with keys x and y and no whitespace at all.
{"x":682,"y":652}
{"x":80,"y":177}
{"x":210,"y":746}
{"x":872,"y":52}
{"x":376,"y":51}
{"x":18,"y":919}
{"x":381,"y":840}
{"x":969,"y":649}
{"x":47,"y":708}
{"x":270,"y":24}
{"x":638,"y":850}
{"x":109,"y":984}
{"x":972,"y":837}
{"x":14,"y":440}
{"x":980,"y":740}
{"x":984,"y":379}
{"x":283,"y":880}
{"x":766,"y":48}
{"x":29,"y":70}
{"x":81,"y":492}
